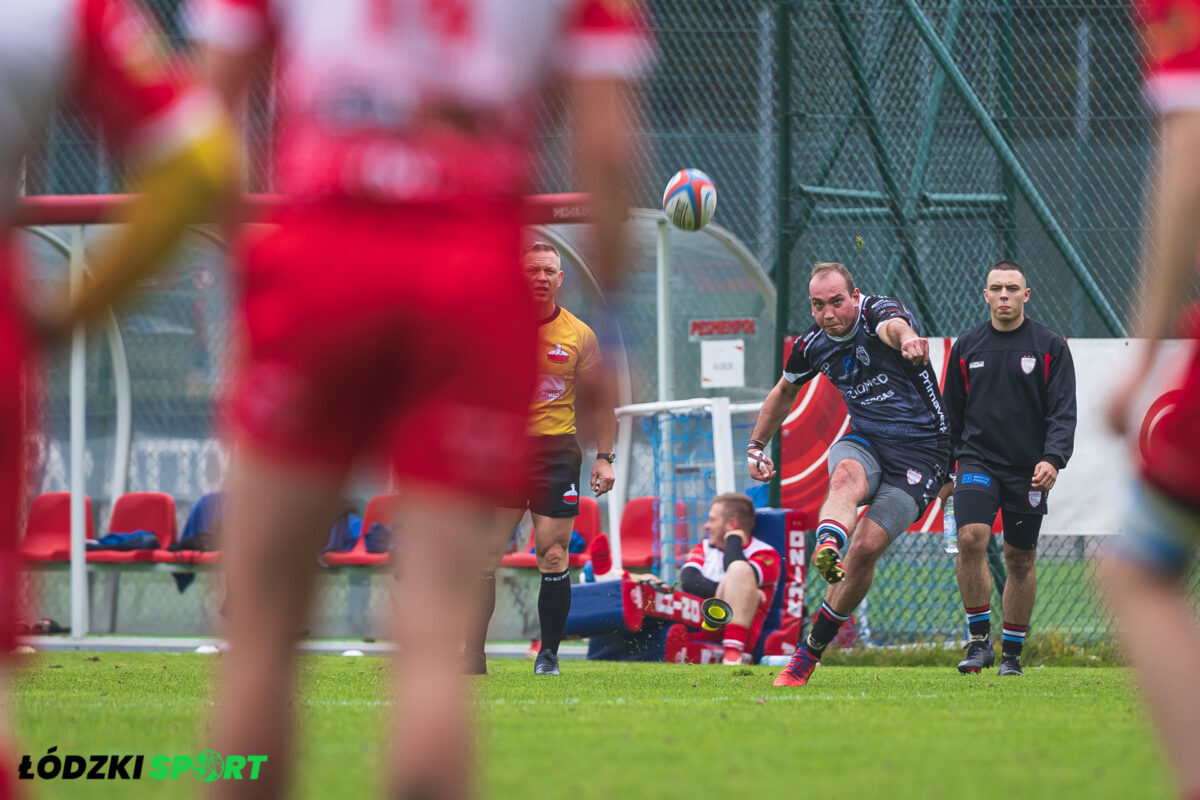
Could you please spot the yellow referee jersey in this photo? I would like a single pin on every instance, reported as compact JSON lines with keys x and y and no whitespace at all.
{"x":566,"y":349}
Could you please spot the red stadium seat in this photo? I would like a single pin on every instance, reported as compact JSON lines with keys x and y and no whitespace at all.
{"x":48,"y":530}
{"x":588,"y":525}
{"x":382,"y":508}
{"x":637,"y":531}
{"x":139,"y":511}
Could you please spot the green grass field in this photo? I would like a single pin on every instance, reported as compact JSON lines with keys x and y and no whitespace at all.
{"x":615,"y":730}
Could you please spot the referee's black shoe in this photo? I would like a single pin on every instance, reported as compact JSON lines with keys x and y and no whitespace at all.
{"x":979,"y":655}
{"x":546,"y":664}
{"x":1010,"y":665}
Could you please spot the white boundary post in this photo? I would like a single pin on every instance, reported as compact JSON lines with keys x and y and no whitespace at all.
{"x":721,"y":411}
{"x":79,"y":598}
{"x":722,"y":433}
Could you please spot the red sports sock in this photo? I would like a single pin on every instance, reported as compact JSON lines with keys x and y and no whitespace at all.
{"x":734,"y":641}
{"x":601,"y":555}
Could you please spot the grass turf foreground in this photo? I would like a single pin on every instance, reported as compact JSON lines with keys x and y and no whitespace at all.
{"x":612,"y":730}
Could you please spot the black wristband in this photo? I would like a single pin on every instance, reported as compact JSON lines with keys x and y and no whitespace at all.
{"x":755,"y":444}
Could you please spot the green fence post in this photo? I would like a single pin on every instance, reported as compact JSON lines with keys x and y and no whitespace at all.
{"x":883,"y":160}
{"x":786,"y":236}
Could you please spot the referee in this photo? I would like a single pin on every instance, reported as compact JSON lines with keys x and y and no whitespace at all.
{"x":1010,"y":399}
{"x":569,"y":366}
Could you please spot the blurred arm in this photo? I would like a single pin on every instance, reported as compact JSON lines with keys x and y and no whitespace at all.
{"x":1170,"y":241}
{"x":605,"y":135}
{"x":184,"y":186}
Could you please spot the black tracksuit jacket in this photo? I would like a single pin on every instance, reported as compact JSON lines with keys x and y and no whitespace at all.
{"x":1010,"y":397}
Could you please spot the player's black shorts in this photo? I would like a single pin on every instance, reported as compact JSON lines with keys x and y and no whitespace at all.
{"x":554,"y":476}
{"x":979,"y":492}
{"x":917,"y":466}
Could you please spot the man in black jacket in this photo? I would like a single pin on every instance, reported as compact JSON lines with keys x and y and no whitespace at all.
{"x":1010,"y":399}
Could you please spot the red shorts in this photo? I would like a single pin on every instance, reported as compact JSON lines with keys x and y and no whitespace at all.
{"x":369,"y":328}
{"x":1172,"y":462}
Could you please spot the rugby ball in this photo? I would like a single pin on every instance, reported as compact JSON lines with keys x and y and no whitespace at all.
{"x":690,"y":199}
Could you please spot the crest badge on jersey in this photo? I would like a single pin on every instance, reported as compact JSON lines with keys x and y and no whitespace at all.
{"x":571,"y":496}
{"x":1027,"y":364}
{"x":914,"y":477}
{"x":861,"y":352}
{"x":560,"y":356}
{"x":1035,"y":499}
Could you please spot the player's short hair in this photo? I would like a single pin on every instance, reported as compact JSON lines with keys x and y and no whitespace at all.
{"x":832,"y":266}
{"x":1006,"y":265}
{"x":739,"y":506}
{"x":538,"y":246}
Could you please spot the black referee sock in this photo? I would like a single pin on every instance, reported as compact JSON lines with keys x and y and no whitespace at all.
{"x":554,"y":603}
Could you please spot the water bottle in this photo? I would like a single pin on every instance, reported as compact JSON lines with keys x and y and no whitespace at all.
{"x":949,"y":527}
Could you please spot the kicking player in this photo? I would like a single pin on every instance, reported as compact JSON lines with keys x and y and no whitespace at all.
{"x":568,"y":359}
{"x":1145,"y":576}
{"x":731,"y":564}
{"x":385,"y":311}
{"x":104,"y":55}
{"x":1010,"y":399}
{"x":895,"y":459}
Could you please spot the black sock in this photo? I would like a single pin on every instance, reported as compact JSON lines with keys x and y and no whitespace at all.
{"x":825,"y":625}
{"x":554,"y":603}
{"x":477,"y":635}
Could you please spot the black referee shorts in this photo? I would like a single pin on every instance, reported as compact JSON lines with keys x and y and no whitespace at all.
{"x":554,"y":476}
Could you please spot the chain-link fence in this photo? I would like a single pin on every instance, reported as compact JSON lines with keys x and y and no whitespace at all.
{"x":920,"y":140}
{"x":935,"y":138}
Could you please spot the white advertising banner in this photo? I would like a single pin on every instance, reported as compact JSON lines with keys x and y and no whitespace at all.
{"x":1090,"y":493}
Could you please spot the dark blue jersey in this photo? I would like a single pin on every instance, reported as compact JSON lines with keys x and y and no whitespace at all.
{"x":886,"y":395}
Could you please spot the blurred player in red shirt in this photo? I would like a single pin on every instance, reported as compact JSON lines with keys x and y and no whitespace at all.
{"x":1145,"y":576}
{"x":103,"y":54}
{"x":385,"y":312}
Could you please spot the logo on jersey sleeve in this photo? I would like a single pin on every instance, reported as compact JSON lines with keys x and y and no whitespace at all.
{"x":1027,"y":364}
{"x":1035,"y":499}
{"x":913,"y":477}
{"x":560,"y":356}
{"x":571,"y":496}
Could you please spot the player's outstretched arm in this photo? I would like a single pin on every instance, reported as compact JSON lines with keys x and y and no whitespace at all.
{"x":774,"y":409}
{"x":899,"y":335}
